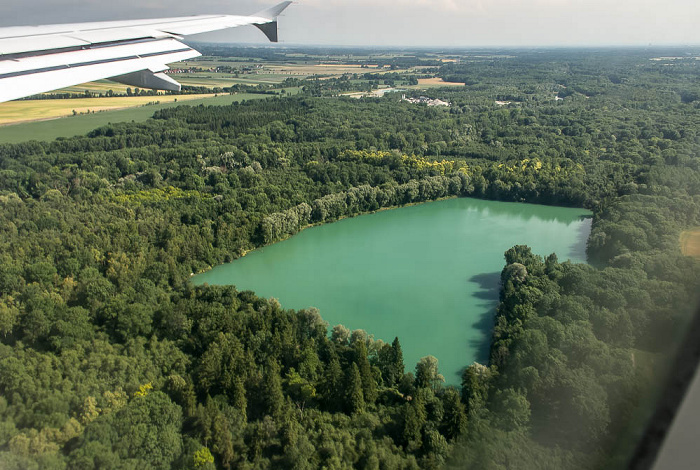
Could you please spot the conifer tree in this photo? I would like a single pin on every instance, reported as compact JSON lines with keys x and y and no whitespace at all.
{"x":238,"y":397}
{"x":398,"y":364}
{"x":369,"y":384}
{"x":413,"y":420}
{"x":354,"y":399}
{"x":332,"y":384}
{"x":454,"y":421}
{"x":271,"y":392}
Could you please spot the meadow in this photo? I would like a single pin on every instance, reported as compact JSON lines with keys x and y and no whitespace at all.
{"x":690,"y":242}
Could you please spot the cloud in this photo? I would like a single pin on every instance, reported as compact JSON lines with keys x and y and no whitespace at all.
{"x":437,"y":5}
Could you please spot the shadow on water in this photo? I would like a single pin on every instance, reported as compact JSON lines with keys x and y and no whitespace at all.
{"x":578,"y":248}
{"x":489,"y":287}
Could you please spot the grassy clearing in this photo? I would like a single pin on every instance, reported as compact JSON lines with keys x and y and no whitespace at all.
{"x":82,"y":124}
{"x":13,"y":112}
{"x":690,"y":242}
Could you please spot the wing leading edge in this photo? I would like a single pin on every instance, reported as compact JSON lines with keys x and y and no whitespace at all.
{"x":36,"y":59}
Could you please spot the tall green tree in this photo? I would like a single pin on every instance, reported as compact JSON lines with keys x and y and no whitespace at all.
{"x":369,"y":384}
{"x":271,"y":395}
{"x":454,"y":421}
{"x":354,"y":397}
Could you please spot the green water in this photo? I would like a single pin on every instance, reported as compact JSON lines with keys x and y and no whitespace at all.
{"x":428,"y":274}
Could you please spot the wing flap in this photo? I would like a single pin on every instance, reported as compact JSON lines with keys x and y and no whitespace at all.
{"x":152,"y":48}
{"x":32,"y":75}
{"x":148,"y":79}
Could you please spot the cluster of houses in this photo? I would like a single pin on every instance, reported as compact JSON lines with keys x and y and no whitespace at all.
{"x":425,"y":100}
{"x":183,"y":70}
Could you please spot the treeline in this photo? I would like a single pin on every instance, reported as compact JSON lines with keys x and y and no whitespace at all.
{"x":92,"y":94}
{"x":535,"y":186}
{"x":237,"y":88}
{"x":186,"y":90}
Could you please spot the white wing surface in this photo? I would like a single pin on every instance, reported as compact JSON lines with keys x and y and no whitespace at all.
{"x":36,"y":59}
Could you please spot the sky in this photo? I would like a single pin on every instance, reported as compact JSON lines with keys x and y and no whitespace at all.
{"x":410,"y":23}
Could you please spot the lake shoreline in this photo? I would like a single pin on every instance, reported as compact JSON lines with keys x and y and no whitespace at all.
{"x":245,"y":252}
{"x":426,"y":273}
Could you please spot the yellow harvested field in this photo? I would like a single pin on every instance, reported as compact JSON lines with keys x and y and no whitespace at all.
{"x":690,"y":242}
{"x":100,"y":86}
{"x":205,"y":82}
{"x":12,"y":112}
{"x":436,"y":81}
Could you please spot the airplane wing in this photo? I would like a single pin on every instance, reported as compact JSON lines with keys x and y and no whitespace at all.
{"x":36,"y":59}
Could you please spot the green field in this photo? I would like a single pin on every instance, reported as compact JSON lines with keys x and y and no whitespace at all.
{"x":77,"y":125}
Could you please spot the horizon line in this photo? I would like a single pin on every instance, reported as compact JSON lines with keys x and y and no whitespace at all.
{"x":282,"y":45}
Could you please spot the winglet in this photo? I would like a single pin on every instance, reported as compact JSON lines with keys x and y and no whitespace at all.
{"x":270,"y":27}
{"x":270,"y":30}
{"x":273,"y":12}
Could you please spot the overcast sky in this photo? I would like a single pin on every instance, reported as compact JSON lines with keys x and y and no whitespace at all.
{"x":458,"y":23}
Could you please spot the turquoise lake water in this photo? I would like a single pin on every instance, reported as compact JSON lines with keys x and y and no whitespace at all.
{"x":428,"y":274}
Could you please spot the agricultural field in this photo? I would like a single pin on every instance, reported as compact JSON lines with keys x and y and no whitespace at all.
{"x":33,"y":110}
{"x":265,"y":72}
{"x":97,"y":87}
{"x":250,"y":71}
{"x":82,"y":124}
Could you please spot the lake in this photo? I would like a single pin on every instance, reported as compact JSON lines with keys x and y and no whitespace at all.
{"x":428,"y":274}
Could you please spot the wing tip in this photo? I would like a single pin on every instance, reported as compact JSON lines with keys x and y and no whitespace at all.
{"x":270,"y":28}
{"x":273,"y":12}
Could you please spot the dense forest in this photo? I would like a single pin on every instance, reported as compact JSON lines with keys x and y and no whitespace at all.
{"x":111,"y":358}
